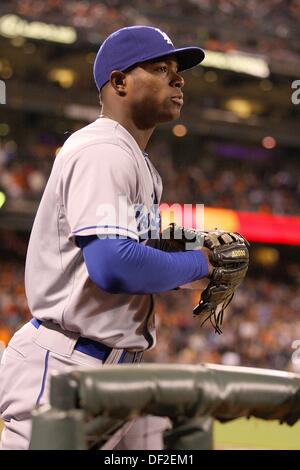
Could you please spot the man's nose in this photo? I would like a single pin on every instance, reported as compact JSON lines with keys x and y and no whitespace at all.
{"x":177,"y":81}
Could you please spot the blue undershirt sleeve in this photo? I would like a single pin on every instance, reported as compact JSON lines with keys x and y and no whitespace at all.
{"x":121,"y":265}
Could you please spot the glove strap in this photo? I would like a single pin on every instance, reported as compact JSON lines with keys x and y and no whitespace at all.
{"x":217,"y":320}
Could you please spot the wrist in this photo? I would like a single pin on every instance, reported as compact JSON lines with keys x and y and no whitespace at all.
{"x":206,"y":253}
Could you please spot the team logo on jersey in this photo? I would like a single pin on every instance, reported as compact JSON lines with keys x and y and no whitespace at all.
{"x":148,"y":221}
{"x":165,"y":36}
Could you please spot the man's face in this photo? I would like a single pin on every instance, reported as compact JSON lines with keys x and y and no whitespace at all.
{"x":154,"y":91}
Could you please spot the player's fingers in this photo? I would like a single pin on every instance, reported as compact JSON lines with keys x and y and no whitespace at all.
{"x":226,"y":238}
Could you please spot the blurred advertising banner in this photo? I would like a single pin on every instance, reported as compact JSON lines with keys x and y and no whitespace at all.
{"x":256,"y":227}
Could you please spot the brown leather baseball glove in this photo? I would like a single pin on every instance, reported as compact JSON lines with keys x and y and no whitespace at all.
{"x":228,"y":253}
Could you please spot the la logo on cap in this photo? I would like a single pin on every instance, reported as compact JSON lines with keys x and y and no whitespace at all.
{"x":165,"y":36}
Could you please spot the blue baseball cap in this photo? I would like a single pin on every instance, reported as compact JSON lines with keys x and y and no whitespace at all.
{"x":130,"y":46}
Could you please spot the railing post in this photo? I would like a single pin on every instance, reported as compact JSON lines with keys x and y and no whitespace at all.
{"x":190,"y":434}
{"x":57,"y":430}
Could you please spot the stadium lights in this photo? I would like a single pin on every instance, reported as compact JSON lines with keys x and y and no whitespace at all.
{"x":12,"y":26}
{"x":179,"y":130}
{"x":237,"y":62}
{"x":268,"y":142}
{"x":65,"y":77}
{"x":243,"y":108}
{"x":2,"y":199}
{"x":4,"y":129}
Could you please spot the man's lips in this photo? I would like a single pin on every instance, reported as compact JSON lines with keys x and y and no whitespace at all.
{"x":177,"y":99}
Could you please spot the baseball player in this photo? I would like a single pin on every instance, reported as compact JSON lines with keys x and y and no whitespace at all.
{"x":90,"y":272}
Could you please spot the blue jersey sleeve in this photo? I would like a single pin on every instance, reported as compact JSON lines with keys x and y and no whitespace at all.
{"x":121,"y":265}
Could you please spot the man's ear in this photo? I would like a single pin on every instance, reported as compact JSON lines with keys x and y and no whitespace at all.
{"x":118,"y":81}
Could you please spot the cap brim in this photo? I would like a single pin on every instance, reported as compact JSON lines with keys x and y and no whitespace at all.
{"x":188,"y":57}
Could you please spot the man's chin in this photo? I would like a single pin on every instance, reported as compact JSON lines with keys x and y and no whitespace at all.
{"x":172,"y":116}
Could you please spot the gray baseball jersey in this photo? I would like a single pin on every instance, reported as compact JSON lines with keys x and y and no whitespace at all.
{"x":98,"y":176}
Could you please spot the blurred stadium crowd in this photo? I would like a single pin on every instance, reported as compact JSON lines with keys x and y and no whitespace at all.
{"x":259,"y":327}
{"x":257,"y":25}
{"x":209,"y":179}
{"x":230,"y":183}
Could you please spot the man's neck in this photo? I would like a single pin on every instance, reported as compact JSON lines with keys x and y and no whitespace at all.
{"x":141,"y":136}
